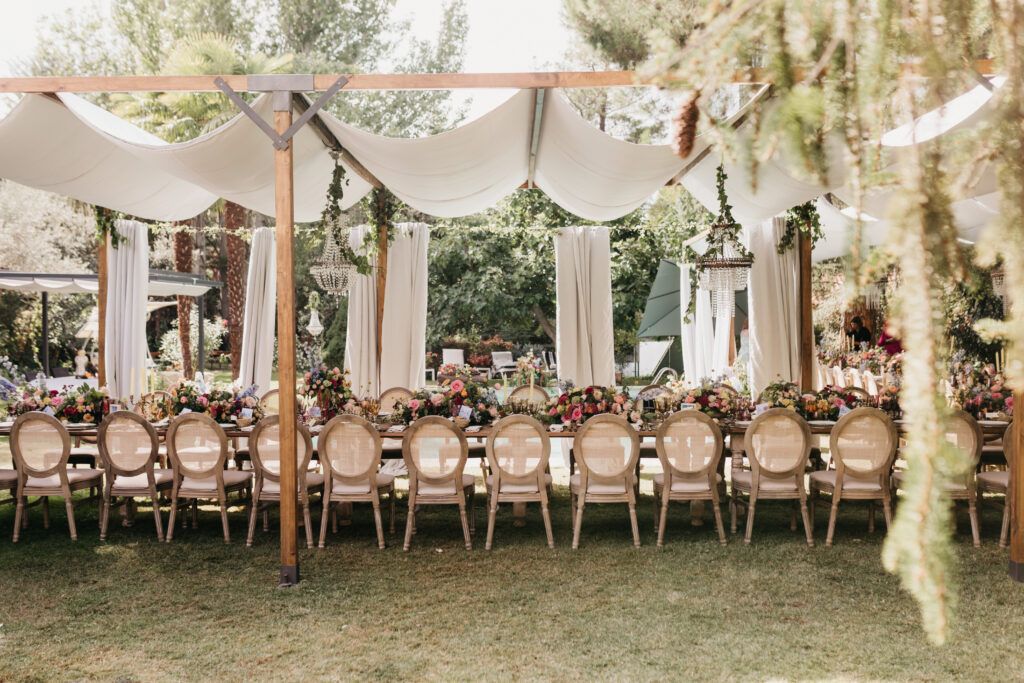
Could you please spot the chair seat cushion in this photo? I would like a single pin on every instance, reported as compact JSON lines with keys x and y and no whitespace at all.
{"x":950,"y":487}
{"x":994,"y":481}
{"x":426,"y":489}
{"x":313,"y":480}
{"x":685,"y":485}
{"x":743,"y":479}
{"x":232,"y":479}
{"x":342,"y":489}
{"x":596,"y":488}
{"x":519,"y":488}
{"x":76,"y":477}
{"x":477,"y":449}
{"x":827,"y":479}
{"x":139,"y":482}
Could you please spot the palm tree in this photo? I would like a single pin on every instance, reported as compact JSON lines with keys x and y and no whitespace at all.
{"x":183,"y":116}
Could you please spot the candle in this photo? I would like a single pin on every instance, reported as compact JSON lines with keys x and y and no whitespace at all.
{"x":131,"y":383}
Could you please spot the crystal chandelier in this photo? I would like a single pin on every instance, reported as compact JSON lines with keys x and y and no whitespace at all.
{"x":724,"y":268}
{"x":332,"y":270}
{"x":999,"y":282}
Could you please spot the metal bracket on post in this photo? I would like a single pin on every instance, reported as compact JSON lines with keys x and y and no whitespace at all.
{"x":282,"y":86}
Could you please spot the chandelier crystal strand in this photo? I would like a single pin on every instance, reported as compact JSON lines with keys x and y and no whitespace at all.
{"x":724,"y":268}
{"x":332,"y":271}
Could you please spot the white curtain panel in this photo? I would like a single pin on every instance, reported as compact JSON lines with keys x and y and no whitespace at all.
{"x":721,"y":345}
{"x":689,"y":330}
{"x":704,"y":337}
{"x":583,"y":286}
{"x":774,"y":308}
{"x":257,"y":361}
{"x":361,"y":330}
{"x":125,"y":345}
{"x":404,"y":332}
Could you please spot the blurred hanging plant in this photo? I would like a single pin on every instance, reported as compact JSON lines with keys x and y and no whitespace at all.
{"x":843,"y":73}
{"x":331,"y":219}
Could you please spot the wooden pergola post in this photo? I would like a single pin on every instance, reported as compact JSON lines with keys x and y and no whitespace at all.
{"x":1016,"y":490}
{"x":806,"y":318}
{"x":101,"y":309}
{"x":285,"y":215}
{"x":382,"y":283}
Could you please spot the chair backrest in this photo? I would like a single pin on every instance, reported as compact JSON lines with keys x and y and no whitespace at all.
{"x":389,"y":399}
{"x":607,"y":448}
{"x":128,"y":444}
{"x":518,"y":450}
{"x":271,"y":402}
{"x":822,"y":375}
{"x":963,"y":432}
{"x":197,"y":446}
{"x":551,"y":359}
{"x":779,"y":443}
{"x":651,"y":392}
{"x":789,"y":385}
{"x":350,"y":449}
{"x":838,"y":376}
{"x":855,"y":379}
{"x":1008,"y":447}
{"x":535,"y":395}
{"x":435,"y":450}
{"x":870,"y":384}
{"x":154,"y":406}
{"x":265,"y":449}
{"x":455,"y":356}
{"x":40,"y":445}
{"x":501,"y":359}
{"x":727,"y":389}
{"x":864,"y":443}
{"x":689,"y":444}
{"x":861,"y":394}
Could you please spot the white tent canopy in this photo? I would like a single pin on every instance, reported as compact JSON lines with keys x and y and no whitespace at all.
{"x":161,"y":283}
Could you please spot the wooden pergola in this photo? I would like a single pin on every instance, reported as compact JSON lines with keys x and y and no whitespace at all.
{"x":284,"y":89}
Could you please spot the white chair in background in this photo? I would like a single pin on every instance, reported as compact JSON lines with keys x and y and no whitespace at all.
{"x":453,"y":356}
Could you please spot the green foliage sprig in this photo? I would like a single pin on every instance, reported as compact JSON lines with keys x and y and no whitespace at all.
{"x":331,"y":220}
{"x":105,"y":226}
{"x":805,"y":220}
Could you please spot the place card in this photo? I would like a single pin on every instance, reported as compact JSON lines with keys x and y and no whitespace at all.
{"x":465,"y":412}
{"x":687,"y":406}
{"x":473,"y":430}
{"x":114,"y":407}
{"x":185,"y":411}
{"x":844,"y":410}
{"x":48,"y":411}
{"x":556,"y":428}
{"x":760,"y":408}
{"x":247,"y":413}
{"x":313,"y":411}
{"x":394,"y":429}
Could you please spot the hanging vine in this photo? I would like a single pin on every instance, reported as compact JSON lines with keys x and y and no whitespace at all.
{"x":331,"y":219}
{"x":804,"y":220}
{"x":105,"y":226}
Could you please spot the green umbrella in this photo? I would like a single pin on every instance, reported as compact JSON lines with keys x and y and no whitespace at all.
{"x":662,"y":317}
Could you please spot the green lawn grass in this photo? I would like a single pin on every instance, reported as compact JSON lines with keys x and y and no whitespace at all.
{"x":135,"y":609}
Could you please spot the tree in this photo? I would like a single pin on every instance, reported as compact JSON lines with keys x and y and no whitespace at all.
{"x":620,"y":30}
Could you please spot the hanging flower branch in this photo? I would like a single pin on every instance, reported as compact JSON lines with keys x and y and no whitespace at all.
{"x":726,"y":263}
{"x":803,"y":219}
{"x":105,"y":226}
{"x":332,"y":221}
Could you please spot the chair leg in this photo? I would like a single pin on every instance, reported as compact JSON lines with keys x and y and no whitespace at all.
{"x":156,"y":514}
{"x":309,"y":521}
{"x":732,"y":513}
{"x":465,"y":525}
{"x":195,"y":513}
{"x":104,"y":513}
{"x":662,"y":518}
{"x":253,"y":511}
{"x":392,"y":499}
{"x":170,"y":521}
{"x":266,"y":519}
{"x":750,"y":517}
{"x":1004,"y":533}
{"x":492,"y":514}
{"x":807,"y":519}
{"x":19,"y":513}
{"x":410,"y":521}
{"x":716,"y":507}
{"x":46,"y":511}
{"x":972,"y":510}
{"x":792,"y":516}
{"x":325,"y":512}
{"x":380,"y":525}
{"x":832,"y":521}
{"x":871,"y":517}
{"x":657,"y":509}
{"x":887,"y":511}
{"x":69,"y":505}
{"x":224,"y":520}
{"x":577,"y":523}
{"x":546,"y":515}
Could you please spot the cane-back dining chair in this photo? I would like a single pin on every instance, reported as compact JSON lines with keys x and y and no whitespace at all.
{"x":517,"y":452}
{"x":270,"y":402}
{"x":390,"y":398}
{"x":858,"y":393}
{"x":129,"y":449}
{"x":998,"y":482}
{"x":265,"y":451}
{"x":435,"y":453}
{"x":350,"y":451}
{"x":534,"y":395}
{"x":606,"y":449}
{"x":198,"y":448}
{"x":41,"y":447}
{"x":778,"y":443}
{"x":964,"y":434}
{"x":863,"y":446}
{"x":689,"y":446}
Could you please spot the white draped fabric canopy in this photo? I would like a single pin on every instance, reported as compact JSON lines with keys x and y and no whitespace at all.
{"x":583,"y":286}
{"x":125,"y":352}
{"x":361,"y":330}
{"x":256,"y":365}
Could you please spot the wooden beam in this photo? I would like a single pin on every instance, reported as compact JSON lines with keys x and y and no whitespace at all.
{"x":1013,"y":495}
{"x":101,"y":307}
{"x":538,"y":117}
{"x":332,"y":142}
{"x":240,"y":83}
{"x":806,"y":319}
{"x":382,"y":277}
{"x":285,"y":215}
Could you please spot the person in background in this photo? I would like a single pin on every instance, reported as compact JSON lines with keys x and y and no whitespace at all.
{"x":858,"y":332}
{"x":890,"y":344}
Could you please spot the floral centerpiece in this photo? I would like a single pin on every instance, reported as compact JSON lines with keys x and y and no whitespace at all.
{"x":83,"y":405}
{"x":781,"y":395}
{"x":717,"y":401}
{"x":529,"y":371}
{"x":449,"y":372}
{"x":33,"y":398}
{"x":328,"y":389}
{"x":575,"y":405}
{"x":889,"y":401}
{"x":827,"y":404}
{"x":243,"y":409}
{"x":187,"y":396}
{"x":473,"y":403}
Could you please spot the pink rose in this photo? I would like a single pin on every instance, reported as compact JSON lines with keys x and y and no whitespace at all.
{"x":577,"y":414}
{"x":437,"y":399}
{"x":184,"y":400}
{"x":414,"y":404}
{"x":203,"y":401}
{"x":457,"y":386}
